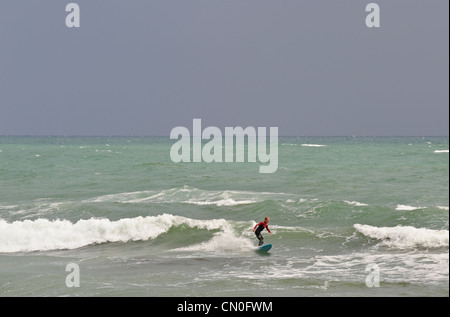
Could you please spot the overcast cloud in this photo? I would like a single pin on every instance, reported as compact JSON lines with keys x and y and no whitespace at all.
{"x":142,"y":67}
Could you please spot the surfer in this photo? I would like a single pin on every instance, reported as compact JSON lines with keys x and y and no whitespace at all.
{"x":261,"y":226}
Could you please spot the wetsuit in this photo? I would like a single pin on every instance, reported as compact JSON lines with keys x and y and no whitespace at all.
{"x":260,"y":228}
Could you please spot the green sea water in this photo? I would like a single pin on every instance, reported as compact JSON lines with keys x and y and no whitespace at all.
{"x":138,"y":224}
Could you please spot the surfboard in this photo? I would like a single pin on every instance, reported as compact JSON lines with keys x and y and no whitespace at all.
{"x":265,"y":247}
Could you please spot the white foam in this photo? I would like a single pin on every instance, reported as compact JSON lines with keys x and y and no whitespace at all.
{"x":403,"y":237}
{"x":43,"y":234}
{"x":6,"y":207}
{"x":442,"y":207}
{"x":313,"y":145}
{"x":222,"y":202}
{"x":355,"y":203}
{"x":226,"y":240}
{"x":222,"y":241}
{"x":441,"y":151}
{"x":407,"y":208}
{"x":120,"y":198}
{"x":410,"y":267}
{"x":190,"y":195}
{"x":41,"y":207}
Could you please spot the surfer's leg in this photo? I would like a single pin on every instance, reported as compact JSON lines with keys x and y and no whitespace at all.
{"x":260,"y":238}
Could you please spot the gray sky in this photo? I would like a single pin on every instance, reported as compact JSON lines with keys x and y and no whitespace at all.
{"x":142,"y":67}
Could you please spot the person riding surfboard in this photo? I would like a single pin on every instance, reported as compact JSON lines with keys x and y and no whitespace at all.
{"x":260,"y":227}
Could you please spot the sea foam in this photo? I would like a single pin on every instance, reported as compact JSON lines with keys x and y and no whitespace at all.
{"x":190,"y":195}
{"x":228,"y":202}
{"x":313,"y":145}
{"x":355,"y":203}
{"x":407,"y":208}
{"x":403,"y":237}
{"x":43,"y":234}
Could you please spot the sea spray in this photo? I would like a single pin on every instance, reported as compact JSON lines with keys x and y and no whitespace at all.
{"x":43,"y":234}
{"x":403,"y":237}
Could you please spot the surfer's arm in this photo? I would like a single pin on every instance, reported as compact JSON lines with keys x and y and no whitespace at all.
{"x":268,"y":229}
{"x":257,"y":225}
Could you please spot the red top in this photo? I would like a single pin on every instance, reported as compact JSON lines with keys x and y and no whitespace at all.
{"x":264,"y":225}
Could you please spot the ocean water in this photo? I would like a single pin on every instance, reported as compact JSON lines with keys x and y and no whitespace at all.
{"x":137,"y":224}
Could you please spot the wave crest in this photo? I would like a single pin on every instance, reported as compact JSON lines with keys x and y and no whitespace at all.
{"x":404,"y":237}
{"x":190,"y":195}
{"x":44,"y":235}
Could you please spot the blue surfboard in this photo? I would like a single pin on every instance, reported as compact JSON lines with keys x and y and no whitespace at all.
{"x":265,"y":247}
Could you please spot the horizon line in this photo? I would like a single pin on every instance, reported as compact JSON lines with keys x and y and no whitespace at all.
{"x":162,"y":136}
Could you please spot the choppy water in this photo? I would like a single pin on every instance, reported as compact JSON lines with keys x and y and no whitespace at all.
{"x":138,"y":224}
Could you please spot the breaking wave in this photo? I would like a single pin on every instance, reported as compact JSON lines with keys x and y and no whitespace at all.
{"x":43,"y":234}
{"x":404,"y":237}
